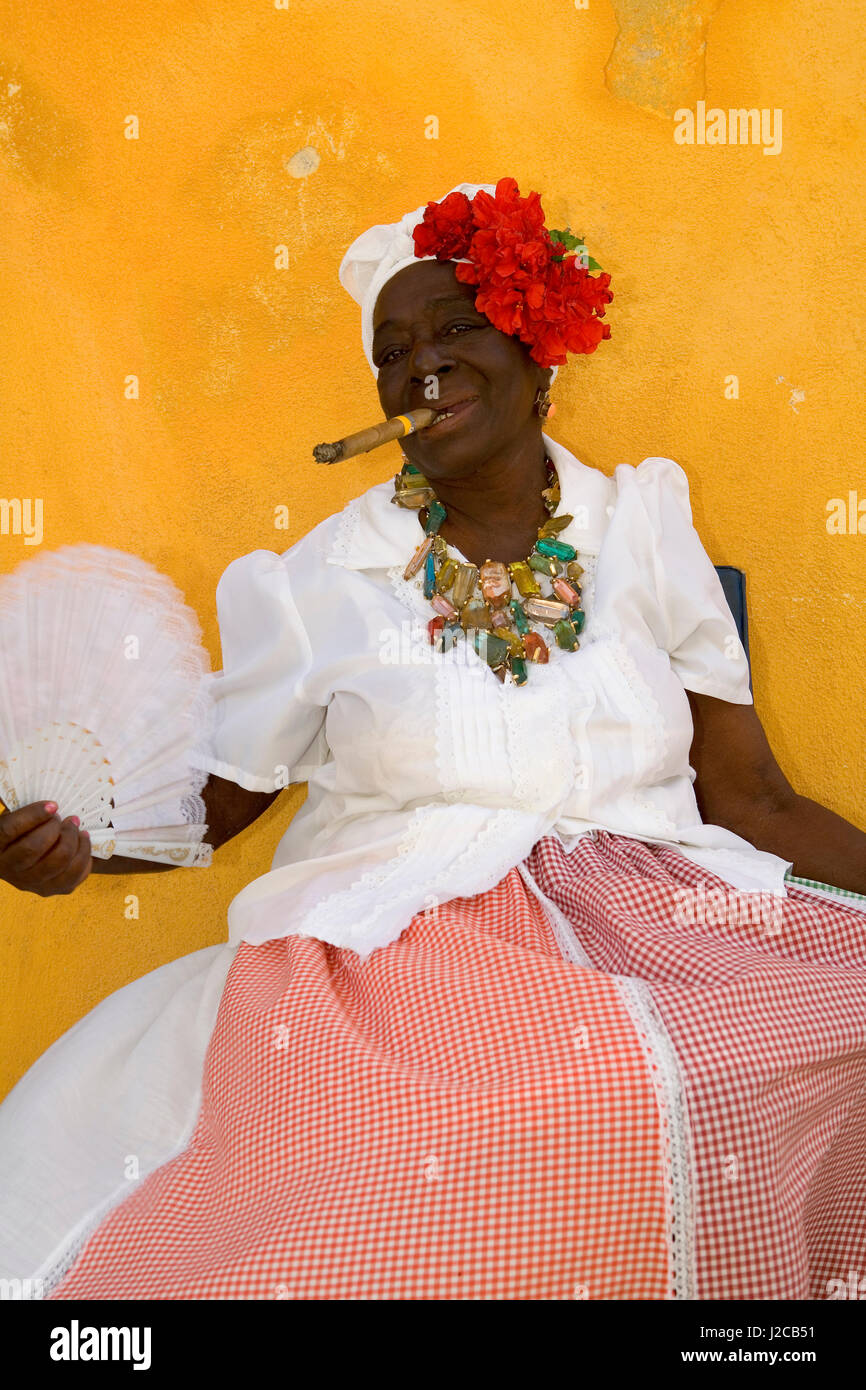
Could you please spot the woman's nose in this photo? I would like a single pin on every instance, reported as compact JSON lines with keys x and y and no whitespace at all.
{"x":429,"y":358}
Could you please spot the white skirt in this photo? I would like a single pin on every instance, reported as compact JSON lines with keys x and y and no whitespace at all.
{"x":112,"y":1099}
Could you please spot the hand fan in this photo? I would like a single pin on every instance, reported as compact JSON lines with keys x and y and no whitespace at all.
{"x":103,"y":694}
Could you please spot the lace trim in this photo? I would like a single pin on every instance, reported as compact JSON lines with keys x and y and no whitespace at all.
{"x":664,"y":1072}
{"x":343,"y":542}
{"x":344,"y":905}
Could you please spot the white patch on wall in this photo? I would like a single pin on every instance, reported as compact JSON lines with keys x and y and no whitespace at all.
{"x":796,"y":397}
{"x":305,"y":162}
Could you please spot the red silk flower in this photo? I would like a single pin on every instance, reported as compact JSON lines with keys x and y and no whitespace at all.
{"x":528,"y":286}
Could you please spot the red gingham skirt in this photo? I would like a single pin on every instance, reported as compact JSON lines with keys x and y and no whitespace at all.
{"x":604,"y":1096}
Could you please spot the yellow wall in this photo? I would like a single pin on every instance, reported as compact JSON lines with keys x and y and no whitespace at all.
{"x":155,"y":257}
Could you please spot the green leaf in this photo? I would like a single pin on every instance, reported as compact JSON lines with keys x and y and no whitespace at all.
{"x":567,"y":238}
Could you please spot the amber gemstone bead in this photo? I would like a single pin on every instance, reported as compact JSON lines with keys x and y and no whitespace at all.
{"x":446,"y":575}
{"x":495,"y":583}
{"x":555,"y":524}
{"x":524,"y":578}
{"x":464,"y":584}
{"x":408,"y":482}
{"x":535,"y":647}
{"x":475,"y":615}
{"x":415,"y":498}
{"x":514,"y":640}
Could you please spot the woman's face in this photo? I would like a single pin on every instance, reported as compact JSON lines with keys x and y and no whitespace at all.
{"x":434,"y":348}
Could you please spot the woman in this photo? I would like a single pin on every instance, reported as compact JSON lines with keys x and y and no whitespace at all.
{"x":519,"y":1011}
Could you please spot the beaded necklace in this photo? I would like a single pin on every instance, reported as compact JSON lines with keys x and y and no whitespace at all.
{"x":493,"y":606}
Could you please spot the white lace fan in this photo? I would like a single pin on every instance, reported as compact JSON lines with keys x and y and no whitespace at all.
{"x":103,"y":694}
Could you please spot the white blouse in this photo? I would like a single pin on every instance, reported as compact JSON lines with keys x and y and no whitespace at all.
{"x":428,"y":778}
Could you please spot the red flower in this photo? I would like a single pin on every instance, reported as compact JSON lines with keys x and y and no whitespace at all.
{"x":446,"y":229}
{"x":551,"y":305}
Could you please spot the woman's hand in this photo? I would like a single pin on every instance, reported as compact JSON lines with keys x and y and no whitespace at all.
{"x":40,"y":853}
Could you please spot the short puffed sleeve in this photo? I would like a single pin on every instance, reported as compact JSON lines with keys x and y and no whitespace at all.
{"x":690,"y":616}
{"x":266,"y":730}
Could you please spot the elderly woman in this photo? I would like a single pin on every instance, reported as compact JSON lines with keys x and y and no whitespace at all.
{"x":529,"y":1005}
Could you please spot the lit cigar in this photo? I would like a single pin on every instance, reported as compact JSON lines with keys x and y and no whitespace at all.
{"x":365,"y":440}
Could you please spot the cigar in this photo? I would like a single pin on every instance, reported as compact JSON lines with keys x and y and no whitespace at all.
{"x":365,"y":440}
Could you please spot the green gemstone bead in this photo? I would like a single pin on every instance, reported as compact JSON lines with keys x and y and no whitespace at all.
{"x":436,"y":514}
{"x":410,"y":468}
{"x":430,"y":575}
{"x":490,"y":648}
{"x":521,"y":622}
{"x":578,"y":619}
{"x":518,"y":670}
{"x":565,"y":635}
{"x":544,"y":565}
{"x":560,"y":550}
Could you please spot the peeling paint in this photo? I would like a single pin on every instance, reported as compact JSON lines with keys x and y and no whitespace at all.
{"x":305,"y":162}
{"x":796,"y":397}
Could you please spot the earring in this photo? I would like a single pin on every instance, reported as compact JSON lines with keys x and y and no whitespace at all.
{"x":543,"y":405}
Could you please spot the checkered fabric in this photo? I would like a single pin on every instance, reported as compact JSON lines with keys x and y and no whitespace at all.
{"x":465,"y":1115}
{"x":470,"y":1115}
{"x":767,"y":1011}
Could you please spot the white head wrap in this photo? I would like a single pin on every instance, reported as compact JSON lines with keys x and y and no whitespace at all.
{"x":380,"y":253}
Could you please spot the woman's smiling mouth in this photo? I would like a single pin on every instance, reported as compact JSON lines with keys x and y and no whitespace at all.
{"x":448,"y":414}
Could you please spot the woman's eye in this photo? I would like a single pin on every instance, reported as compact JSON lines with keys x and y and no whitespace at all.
{"x":391,"y":351}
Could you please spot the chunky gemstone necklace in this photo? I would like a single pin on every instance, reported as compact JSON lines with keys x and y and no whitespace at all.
{"x":493,"y":606}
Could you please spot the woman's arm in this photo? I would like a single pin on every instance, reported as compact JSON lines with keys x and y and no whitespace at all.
{"x":739,"y":785}
{"x":230,"y":809}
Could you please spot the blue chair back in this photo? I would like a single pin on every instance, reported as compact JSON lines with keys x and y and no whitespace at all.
{"x":734,"y":585}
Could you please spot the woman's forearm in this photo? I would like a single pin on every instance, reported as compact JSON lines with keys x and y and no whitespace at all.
{"x":117,"y":864}
{"x":230,"y":809}
{"x":821,"y":844}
